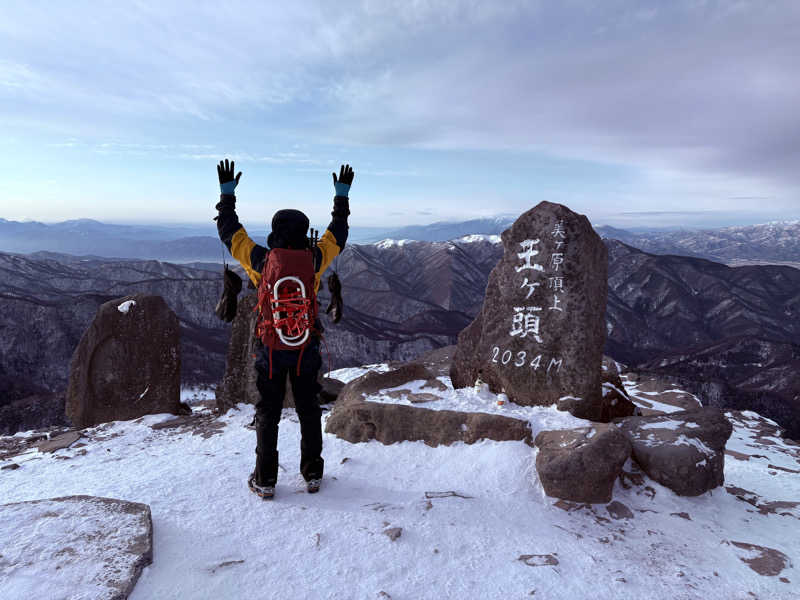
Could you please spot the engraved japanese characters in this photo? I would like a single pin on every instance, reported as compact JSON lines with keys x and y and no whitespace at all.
{"x":541,"y":330}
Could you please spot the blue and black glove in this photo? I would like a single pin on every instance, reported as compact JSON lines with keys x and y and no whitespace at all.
{"x":341,"y":203}
{"x":227,"y":183}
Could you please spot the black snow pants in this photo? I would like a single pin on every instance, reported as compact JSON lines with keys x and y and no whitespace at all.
{"x":272,"y":391}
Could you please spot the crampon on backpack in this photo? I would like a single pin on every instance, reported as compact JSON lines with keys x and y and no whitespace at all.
{"x":287,"y":302}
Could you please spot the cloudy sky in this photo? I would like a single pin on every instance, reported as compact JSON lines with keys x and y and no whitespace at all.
{"x":632,"y":112}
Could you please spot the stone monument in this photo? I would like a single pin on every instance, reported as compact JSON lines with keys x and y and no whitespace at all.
{"x":540,"y":333}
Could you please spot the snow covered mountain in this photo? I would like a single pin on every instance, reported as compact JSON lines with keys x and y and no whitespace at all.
{"x":773,"y":243}
{"x":399,"y":521}
{"x":444,"y":231}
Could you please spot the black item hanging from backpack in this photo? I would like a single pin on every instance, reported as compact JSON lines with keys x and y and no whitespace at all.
{"x":226,"y":307}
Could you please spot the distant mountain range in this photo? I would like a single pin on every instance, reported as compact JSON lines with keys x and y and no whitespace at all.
{"x":87,"y":238}
{"x":445,"y":231}
{"x":732,"y":335}
{"x":773,"y":243}
{"x":770,"y":243}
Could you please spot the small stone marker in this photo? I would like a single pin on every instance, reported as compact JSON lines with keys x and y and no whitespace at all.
{"x":393,"y":532}
{"x":541,"y":330}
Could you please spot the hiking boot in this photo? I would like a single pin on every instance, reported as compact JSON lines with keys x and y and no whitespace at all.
{"x":312,"y":485}
{"x":265,"y":492}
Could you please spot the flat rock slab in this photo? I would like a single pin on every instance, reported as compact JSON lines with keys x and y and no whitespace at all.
{"x":764,"y":561}
{"x":355,"y":419}
{"x":74,"y":547}
{"x":581,"y":465}
{"x":684,"y":451}
{"x":658,"y":395}
{"x":65,"y":440}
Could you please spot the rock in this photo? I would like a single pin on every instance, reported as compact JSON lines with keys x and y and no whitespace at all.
{"x":541,"y":329}
{"x":98,"y":547}
{"x":127,"y":363}
{"x":9,"y":467}
{"x":393,"y":532}
{"x":613,"y":403}
{"x":764,"y":561}
{"x":581,"y":465}
{"x":437,"y":361}
{"x":652,"y":390}
{"x":539,"y":560}
{"x":617,"y":510}
{"x":356,"y":419}
{"x":65,"y":440}
{"x":684,"y":451}
{"x":331,"y":388}
{"x":239,"y":382}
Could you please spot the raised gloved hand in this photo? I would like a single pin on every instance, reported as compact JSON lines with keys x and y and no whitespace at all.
{"x":345,"y":180}
{"x":341,"y":203}
{"x":336,"y":305}
{"x":227,"y":182}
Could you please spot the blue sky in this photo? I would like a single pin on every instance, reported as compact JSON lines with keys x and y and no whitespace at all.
{"x":634,"y":113}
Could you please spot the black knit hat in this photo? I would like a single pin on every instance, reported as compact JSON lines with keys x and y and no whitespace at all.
{"x":289,"y":228}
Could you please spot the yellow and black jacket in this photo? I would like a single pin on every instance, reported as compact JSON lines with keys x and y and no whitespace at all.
{"x":252,"y":256}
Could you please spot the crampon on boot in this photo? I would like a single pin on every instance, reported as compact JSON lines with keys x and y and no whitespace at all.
{"x":265,"y":492}
{"x":312,"y":485}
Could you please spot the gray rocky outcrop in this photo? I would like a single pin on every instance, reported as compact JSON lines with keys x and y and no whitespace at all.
{"x":127,"y":363}
{"x":356,"y":419}
{"x":581,"y":465}
{"x":613,"y":402}
{"x":684,"y":451}
{"x":540,"y":333}
{"x":98,"y":547}
{"x":239,"y":382}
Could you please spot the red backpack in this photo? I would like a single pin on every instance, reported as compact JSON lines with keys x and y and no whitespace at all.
{"x":287,"y":301}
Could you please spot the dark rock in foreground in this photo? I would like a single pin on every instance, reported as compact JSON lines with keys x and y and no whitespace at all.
{"x":613,"y":403}
{"x":684,"y":451}
{"x":127,"y":363}
{"x":239,"y":382}
{"x":581,"y":465}
{"x":98,"y":546}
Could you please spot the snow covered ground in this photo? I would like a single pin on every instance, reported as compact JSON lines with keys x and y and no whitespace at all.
{"x":475,"y":522}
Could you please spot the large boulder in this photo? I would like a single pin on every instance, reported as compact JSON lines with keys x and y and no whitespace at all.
{"x":239,"y":382}
{"x":127,"y":364}
{"x":540,"y":333}
{"x":613,"y":403}
{"x":356,"y":419}
{"x":90,"y":547}
{"x":684,"y":451}
{"x":581,"y":465}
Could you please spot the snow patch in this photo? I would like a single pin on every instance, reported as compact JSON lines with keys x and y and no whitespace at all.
{"x":479,"y":237}
{"x":126,"y":306}
{"x":348,"y":374}
{"x":389,"y":243}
